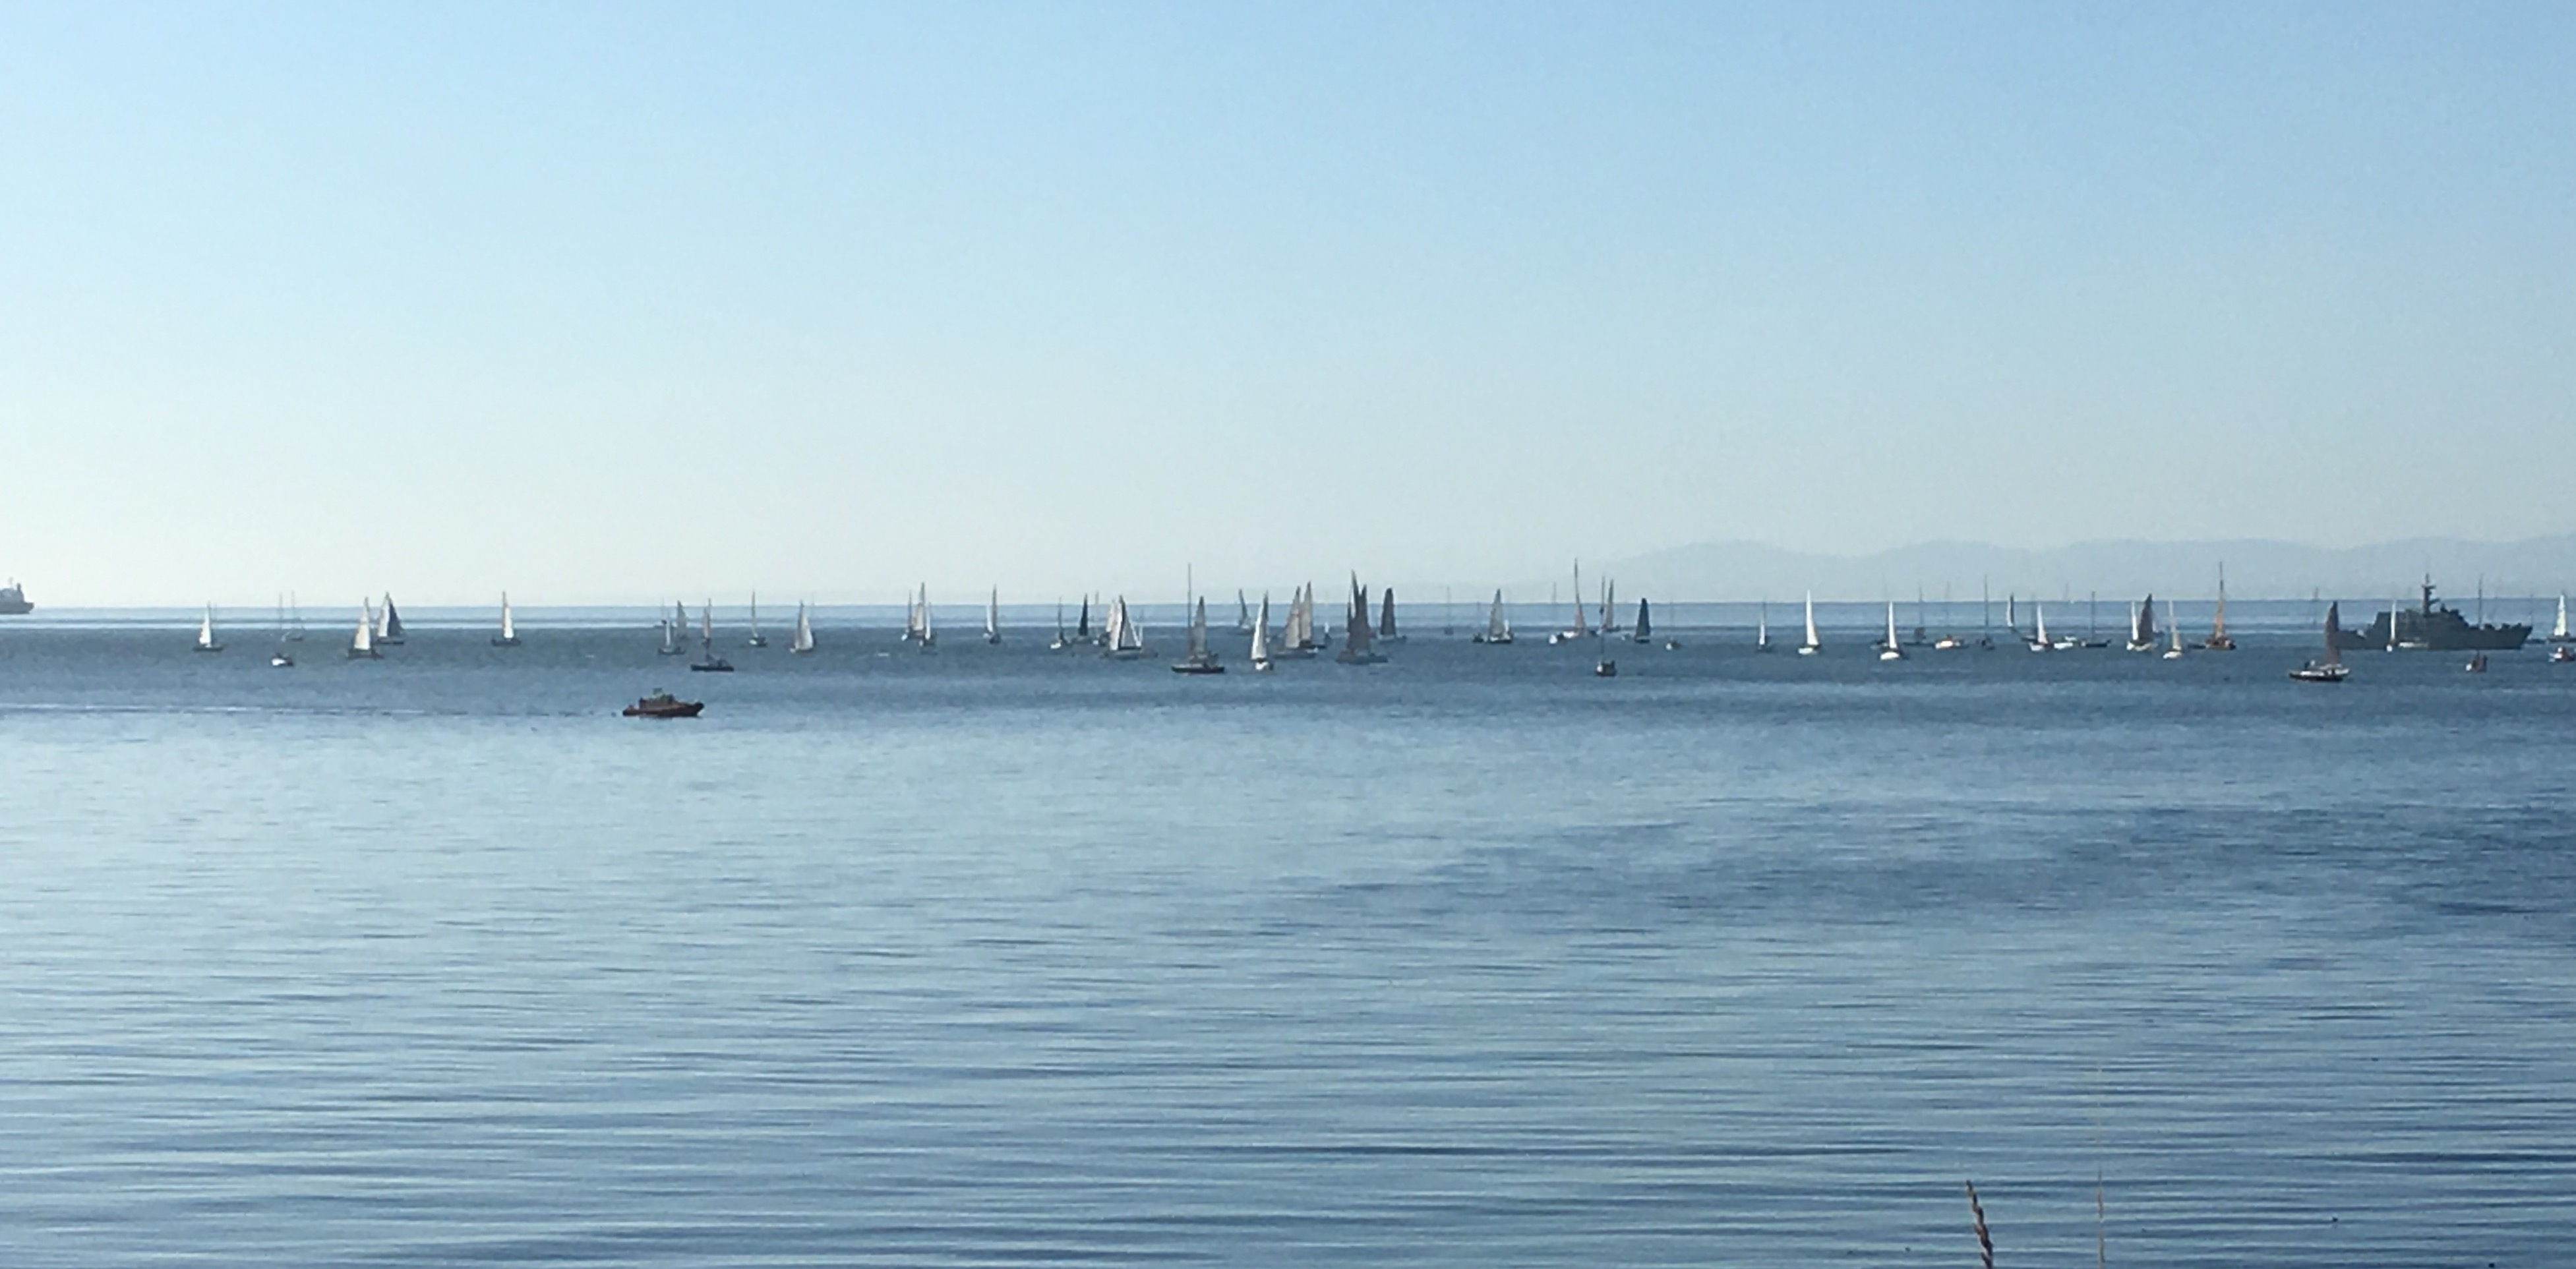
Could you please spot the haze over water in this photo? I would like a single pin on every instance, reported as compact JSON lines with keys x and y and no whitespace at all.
{"x":1471,"y":958}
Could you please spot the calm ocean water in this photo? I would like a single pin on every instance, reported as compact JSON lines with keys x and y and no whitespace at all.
{"x":1006,"y":956}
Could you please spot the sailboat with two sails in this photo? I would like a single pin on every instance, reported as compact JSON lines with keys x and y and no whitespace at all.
{"x":2331,"y":669}
{"x":708,"y":662}
{"x":362,"y":645}
{"x":1199,"y":659}
{"x":1126,"y":639}
{"x":803,"y":642}
{"x":1498,"y":624}
{"x":206,"y":640}
{"x":1356,"y":636}
{"x":1260,"y":653}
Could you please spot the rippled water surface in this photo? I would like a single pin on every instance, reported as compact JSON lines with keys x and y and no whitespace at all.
{"x":1004,"y":956}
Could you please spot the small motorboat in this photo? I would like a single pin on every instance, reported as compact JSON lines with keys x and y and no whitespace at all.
{"x":2477,"y":663}
{"x":662,"y":704}
{"x":2562,"y":655}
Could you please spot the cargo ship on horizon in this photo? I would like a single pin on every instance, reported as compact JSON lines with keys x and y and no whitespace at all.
{"x":13,"y":600}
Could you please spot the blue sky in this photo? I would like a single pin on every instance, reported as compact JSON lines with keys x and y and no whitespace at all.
{"x":600,"y":302}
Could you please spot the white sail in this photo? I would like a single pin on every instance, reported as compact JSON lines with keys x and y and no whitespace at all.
{"x":1889,"y":651}
{"x":1261,"y":636}
{"x":1243,"y":614}
{"x":1198,"y":633}
{"x":804,"y":640}
{"x":1125,"y":638}
{"x":2173,"y":627}
{"x":1498,"y":627}
{"x":1812,"y":643}
{"x":927,"y":634}
{"x":2039,"y":628}
{"x":707,"y":623}
{"x":1299,"y":634}
{"x":756,"y":639}
{"x":2557,"y":633}
{"x":363,"y":643}
{"x":206,"y":632}
{"x":993,"y":616}
{"x":1762,"y":630}
{"x":509,"y":628}
{"x":1580,"y":629}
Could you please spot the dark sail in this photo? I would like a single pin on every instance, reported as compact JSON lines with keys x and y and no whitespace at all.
{"x":1082,"y":624}
{"x":2334,"y":635}
{"x":1386,"y":615}
{"x":1645,"y":623}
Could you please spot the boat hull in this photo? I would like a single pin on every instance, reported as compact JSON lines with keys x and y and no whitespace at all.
{"x":665,"y":709}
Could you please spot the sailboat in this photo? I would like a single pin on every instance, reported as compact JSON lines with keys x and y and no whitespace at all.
{"x":674,"y":628}
{"x":281,"y":658}
{"x":1355,"y":632}
{"x":757,"y":639}
{"x":803,"y":642}
{"x":1082,"y":627}
{"x":362,"y":645}
{"x":2039,"y":629}
{"x":993,"y":616}
{"x":2173,"y":628}
{"x":1126,"y":639}
{"x":1243,"y":614}
{"x":389,"y":629}
{"x":916,"y":626}
{"x":1812,"y":645}
{"x":1198,"y":660}
{"x":294,"y":619}
{"x":1297,"y":638}
{"x":2218,"y":640}
{"x":1498,"y":626}
{"x":2557,"y":633}
{"x":1889,"y":651}
{"x":206,"y":641}
{"x":1762,"y":628}
{"x":1609,"y":609}
{"x":1602,"y":666}
{"x":1260,"y":654}
{"x":2142,"y":626}
{"x":1386,"y":618}
{"x":708,"y":662}
{"x":2331,"y":669}
{"x":509,"y":636}
{"x":1644,"y":630}
{"x":1582,"y":627}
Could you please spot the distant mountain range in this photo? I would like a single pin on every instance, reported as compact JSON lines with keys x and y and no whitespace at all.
{"x":2256,"y":569}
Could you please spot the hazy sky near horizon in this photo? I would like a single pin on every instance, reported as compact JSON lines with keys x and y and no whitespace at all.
{"x":624,"y":301}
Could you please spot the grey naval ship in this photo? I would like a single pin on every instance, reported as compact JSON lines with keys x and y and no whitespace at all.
{"x":2439,"y":628}
{"x":13,"y":601}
